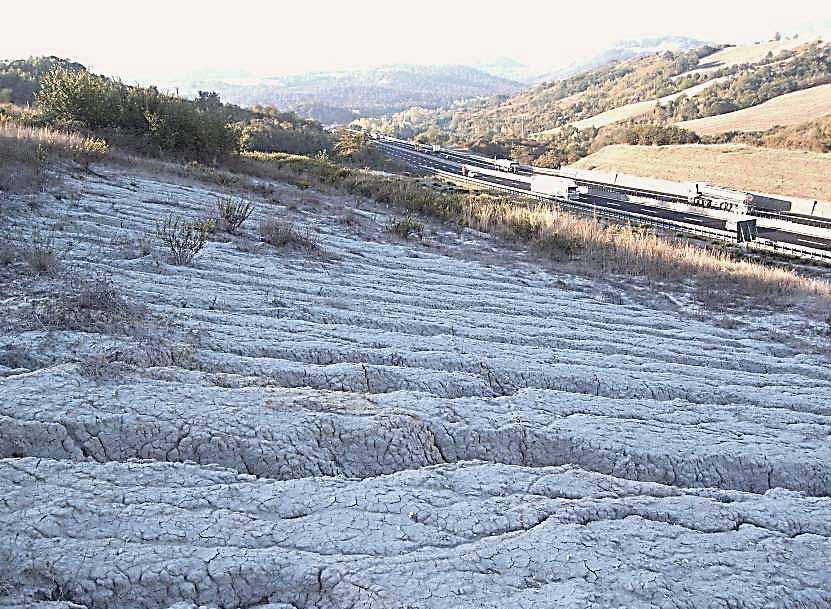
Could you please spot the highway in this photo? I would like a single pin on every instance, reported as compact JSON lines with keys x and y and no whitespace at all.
{"x":436,"y":162}
{"x":780,"y":236}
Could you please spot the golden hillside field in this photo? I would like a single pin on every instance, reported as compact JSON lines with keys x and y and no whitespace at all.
{"x":789,"y":109}
{"x":748,"y":53}
{"x":628,"y":111}
{"x":766,"y":170}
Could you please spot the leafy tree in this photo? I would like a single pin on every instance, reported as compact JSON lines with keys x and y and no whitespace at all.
{"x":208,"y":101}
{"x":21,"y":78}
{"x":171,"y":124}
{"x":269,"y":134}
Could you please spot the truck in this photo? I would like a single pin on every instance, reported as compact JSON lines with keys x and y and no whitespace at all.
{"x":716,"y":197}
{"x":555,"y":186}
{"x":508,"y":165}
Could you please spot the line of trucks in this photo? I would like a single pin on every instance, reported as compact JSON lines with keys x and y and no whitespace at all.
{"x":733,"y":206}
{"x":566,"y":188}
{"x":615,"y":185}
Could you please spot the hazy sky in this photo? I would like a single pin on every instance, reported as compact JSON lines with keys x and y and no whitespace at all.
{"x":160,"y":39}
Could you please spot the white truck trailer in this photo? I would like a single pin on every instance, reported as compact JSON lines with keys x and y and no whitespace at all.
{"x":555,"y":186}
{"x":508,"y":165}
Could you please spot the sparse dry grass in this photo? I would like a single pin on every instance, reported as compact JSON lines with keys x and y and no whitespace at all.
{"x":131,"y":247}
{"x":42,"y":255}
{"x":26,"y":153}
{"x":406,"y":227}
{"x":280,"y":233}
{"x":88,"y":305}
{"x":599,"y":250}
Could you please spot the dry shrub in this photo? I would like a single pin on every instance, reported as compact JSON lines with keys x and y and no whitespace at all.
{"x":101,"y":368}
{"x":280,"y":233}
{"x":8,"y":252}
{"x":233,"y":213}
{"x":184,"y":239}
{"x":42,"y":256}
{"x":132,"y":247}
{"x":17,"y":357}
{"x":405,"y":227}
{"x":89,"y":305}
{"x":349,"y":217}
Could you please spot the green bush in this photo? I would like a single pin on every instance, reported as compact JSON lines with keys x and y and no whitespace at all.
{"x":177,"y":126}
{"x":272,"y":135}
{"x":172,"y":124}
{"x":20,"y":79}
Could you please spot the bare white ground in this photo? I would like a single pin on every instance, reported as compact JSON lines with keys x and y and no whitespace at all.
{"x":282,"y":434}
{"x":306,"y":427}
{"x":468,"y":535}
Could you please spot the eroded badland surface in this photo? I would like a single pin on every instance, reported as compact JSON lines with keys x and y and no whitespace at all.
{"x":389,"y":424}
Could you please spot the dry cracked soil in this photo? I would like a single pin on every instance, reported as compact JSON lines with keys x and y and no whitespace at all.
{"x":381,"y":423}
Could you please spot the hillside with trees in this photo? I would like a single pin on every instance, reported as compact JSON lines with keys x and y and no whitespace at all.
{"x":62,"y":94}
{"x":20,"y":79}
{"x":538,"y":124}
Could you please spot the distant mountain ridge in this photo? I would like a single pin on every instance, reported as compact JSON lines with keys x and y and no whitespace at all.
{"x":344,"y":95}
{"x":507,"y":67}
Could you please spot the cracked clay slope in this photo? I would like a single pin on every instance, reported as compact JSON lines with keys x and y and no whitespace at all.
{"x":396,"y":424}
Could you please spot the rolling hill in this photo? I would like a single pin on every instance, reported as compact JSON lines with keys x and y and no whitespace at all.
{"x":624,"y":50}
{"x":746,"y":54}
{"x":708,"y":94}
{"x":789,"y":109}
{"x":512,"y":69}
{"x":795,"y":172}
{"x":363,"y":93}
{"x":632,"y":110}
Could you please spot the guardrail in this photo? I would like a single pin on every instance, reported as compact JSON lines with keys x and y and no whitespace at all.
{"x":599,"y":210}
{"x":796,"y":219}
{"x":644,"y":220}
{"x":790,"y":249}
{"x":633,"y":217}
